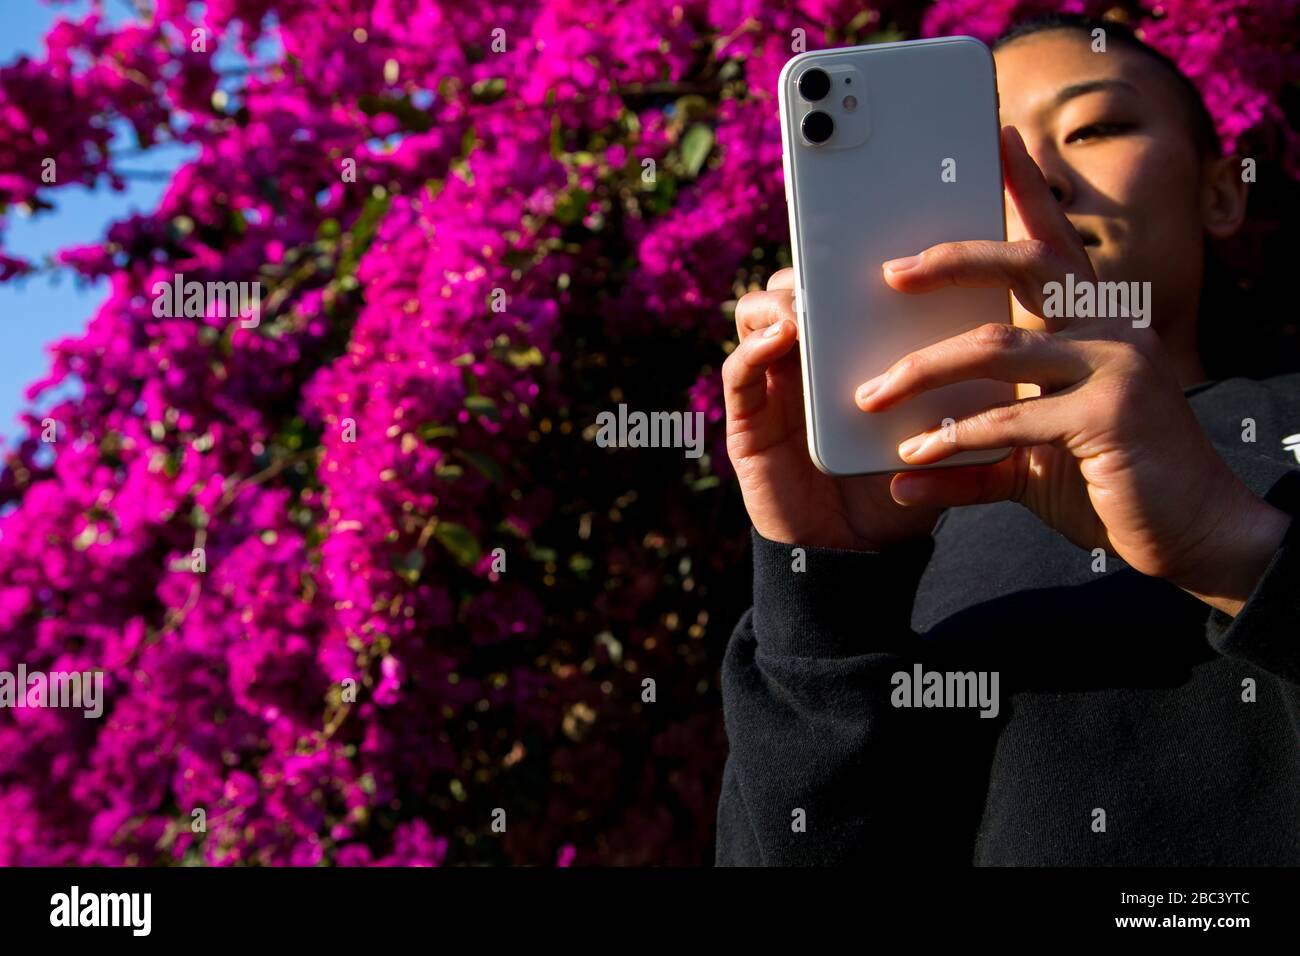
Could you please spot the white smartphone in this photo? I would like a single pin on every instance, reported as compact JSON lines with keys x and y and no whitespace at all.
{"x":888,"y":149}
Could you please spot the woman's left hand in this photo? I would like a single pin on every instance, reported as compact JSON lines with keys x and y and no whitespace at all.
{"x":1110,"y":453}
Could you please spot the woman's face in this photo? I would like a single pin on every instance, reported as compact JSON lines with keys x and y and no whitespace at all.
{"x":1114,"y":140}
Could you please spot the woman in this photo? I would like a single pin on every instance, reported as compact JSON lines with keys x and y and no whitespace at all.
{"x":1128,"y":580}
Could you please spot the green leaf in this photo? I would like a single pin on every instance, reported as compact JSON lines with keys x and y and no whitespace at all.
{"x":409,"y":565}
{"x":691,"y":106}
{"x":572,"y":206}
{"x":363,"y":232}
{"x":523,"y":358}
{"x":271,"y":190}
{"x":663,"y":194}
{"x":432,"y":430}
{"x":482,"y":405}
{"x":557,"y":137}
{"x":411,"y":116}
{"x":890,"y":34}
{"x":485,"y":464}
{"x":519,"y":258}
{"x":860,"y":21}
{"x":629,"y":121}
{"x":488,"y":91}
{"x":696,"y":146}
{"x":456,"y":538}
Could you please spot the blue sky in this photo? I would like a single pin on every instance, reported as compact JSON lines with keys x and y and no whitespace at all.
{"x":39,"y":310}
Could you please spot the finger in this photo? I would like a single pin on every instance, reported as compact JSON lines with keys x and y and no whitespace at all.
{"x":1030,"y":421}
{"x":998,"y":351}
{"x":744,"y":373}
{"x":781,"y":279}
{"x":967,"y":485}
{"x":757,"y":311}
{"x":1035,"y":203}
{"x":1024,"y":267}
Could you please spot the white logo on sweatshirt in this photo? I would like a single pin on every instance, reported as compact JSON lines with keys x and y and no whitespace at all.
{"x":1291,"y":443}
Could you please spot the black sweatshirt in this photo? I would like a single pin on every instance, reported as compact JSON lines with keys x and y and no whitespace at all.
{"x":1136,"y":725}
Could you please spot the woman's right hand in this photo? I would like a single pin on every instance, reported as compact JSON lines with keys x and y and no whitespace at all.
{"x":788,"y":498}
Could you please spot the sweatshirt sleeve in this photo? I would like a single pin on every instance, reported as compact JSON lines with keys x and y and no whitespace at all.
{"x":822,"y":768}
{"x":1266,"y":631}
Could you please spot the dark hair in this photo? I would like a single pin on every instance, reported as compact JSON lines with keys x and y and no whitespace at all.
{"x":1201,"y":124}
{"x":1243,"y":327}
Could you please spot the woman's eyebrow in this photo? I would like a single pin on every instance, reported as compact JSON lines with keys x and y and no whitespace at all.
{"x":1091,"y":86}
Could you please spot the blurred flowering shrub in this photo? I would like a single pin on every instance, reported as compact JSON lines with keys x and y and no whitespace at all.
{"x":554,"y":206}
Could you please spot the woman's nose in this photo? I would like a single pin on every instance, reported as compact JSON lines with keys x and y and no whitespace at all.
{"x":1054,"y":168}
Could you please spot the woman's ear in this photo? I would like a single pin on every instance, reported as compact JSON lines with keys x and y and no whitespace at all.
{"x":1223,"y":196}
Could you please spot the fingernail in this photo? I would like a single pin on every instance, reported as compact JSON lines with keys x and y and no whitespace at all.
{"x":906,"y":489}
{"x":869,"y":388}
{"x":910,"y":447}
{"x":773,"y":330}
{"x":902,"y":265}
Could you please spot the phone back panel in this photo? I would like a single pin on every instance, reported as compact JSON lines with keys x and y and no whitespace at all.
{"x":918,"y":164}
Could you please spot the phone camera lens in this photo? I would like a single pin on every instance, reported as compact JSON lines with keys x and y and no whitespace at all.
{"x":818,"y":127}
{"x":814,"y":84}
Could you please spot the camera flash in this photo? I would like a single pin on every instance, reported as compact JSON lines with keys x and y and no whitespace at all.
{"x":850,"y":103}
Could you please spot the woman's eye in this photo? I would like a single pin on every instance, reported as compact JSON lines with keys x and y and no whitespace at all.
{"x":1094,"y":130}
